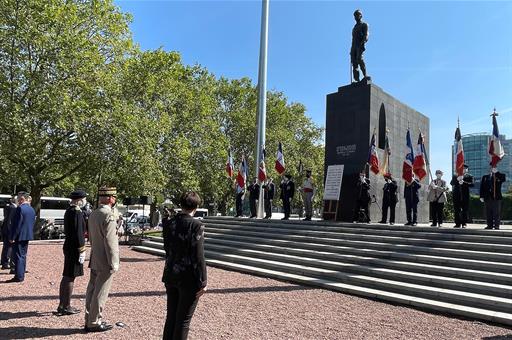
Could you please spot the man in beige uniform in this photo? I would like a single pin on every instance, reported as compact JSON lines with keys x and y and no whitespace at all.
{"x":308,"y":192}
{"x":104,"y":259}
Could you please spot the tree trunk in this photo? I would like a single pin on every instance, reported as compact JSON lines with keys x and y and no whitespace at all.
{"x":36,"y":193}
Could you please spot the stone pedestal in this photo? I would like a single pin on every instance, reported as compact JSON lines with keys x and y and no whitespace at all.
{"x":351,"y":116}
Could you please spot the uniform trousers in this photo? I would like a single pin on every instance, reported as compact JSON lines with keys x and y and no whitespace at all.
{"x":253,"y":206}
{"x":239,"y":204}
{"x":460,"y":212}
{"x":436,"y":209}
{"x":493,"y":212}
{"x":286,"y":207}
{"x":308,"y":204}
{"x":7,"y":257}
{"x":364,"y":205}
{"x":268,"y":208}
{"x":411,"y":208}
{"x":20,"y":249}
{"x":96,"y":296}
{"x":181,"y":304}
{"x":391,"y":205}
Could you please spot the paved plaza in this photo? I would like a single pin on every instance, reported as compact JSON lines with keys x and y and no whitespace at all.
{"x":237,"y":306}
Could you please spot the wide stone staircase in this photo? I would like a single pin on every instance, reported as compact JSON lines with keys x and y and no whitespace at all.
{"x":458,"y":271}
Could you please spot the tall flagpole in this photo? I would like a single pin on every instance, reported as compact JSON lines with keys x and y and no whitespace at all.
{"x":262,"y":96}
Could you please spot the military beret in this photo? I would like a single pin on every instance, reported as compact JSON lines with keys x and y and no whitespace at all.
{"x":77,"y":194}
{"x":107,"y":191}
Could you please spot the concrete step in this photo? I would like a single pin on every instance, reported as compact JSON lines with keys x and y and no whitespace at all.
{"x":415,"y":241}
{"x":447,"y":282}
{"x":373,"y":226}
{"x":474,"y":300}
{"x":404,"y":248}
{"x":409,"y":232}
{"x":415,"y":267}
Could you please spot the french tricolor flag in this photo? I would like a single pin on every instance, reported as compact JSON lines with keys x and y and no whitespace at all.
{"x":241,"y":177}
{"x":373,"y":157}
{"x":459,"y":153}
{"x":229,"y":165}
{"x":419,"y":166}
{"x":407,"y":173}
{"x":280,"y":166}
{"x":495,"y":148}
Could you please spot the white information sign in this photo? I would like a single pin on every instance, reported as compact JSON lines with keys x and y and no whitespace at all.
{"x":333,"y":182}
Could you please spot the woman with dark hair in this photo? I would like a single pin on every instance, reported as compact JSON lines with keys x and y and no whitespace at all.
{"x":185,"y":268}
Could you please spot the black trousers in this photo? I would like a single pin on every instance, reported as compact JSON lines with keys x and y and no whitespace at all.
{"x":460,"y":212}
{"x":253,"y":205}
{"x":268,"y":208}
{"x":181,"y":304}
{"x":286,"y":207}
{"x":493,"y":212}
{"x":411,"y":208}
{"x":362,"y":204}
{"x":391,"y":205}
{"x":239,"y":204}
{"x":7,"y":256}
{"x":436,"y":209}
{"x":20,"y":249}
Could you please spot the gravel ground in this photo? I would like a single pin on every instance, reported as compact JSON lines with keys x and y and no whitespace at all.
{"x":237,"y":306}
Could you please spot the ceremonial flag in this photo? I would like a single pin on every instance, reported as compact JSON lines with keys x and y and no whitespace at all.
{"x":241,"y":178}
{"x":495,"y":148}
{"x":229,"y":165}
{"x":262,"y":171}
{"x":280,"y":166}
{"x":419,"y":166}
{"x":459,"y":153}
{"x":409,"y":159}
{"x":387,"y":153}
{"x":373,"y":158}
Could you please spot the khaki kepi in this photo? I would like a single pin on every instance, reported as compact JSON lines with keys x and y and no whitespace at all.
{"x":107,"y":191}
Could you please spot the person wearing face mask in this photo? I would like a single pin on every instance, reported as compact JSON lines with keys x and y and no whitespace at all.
{"x":74,"y":251}
{"x":460,"y":191}
{"x":104,"y":260}
{"x":363,"y":199}
{"x":389,"y":199}
{"x":308,"y":191}
{"x":490,"y":194}
{"x":254,"y":194}
{"x":437,"y":198}
{"x":411,"y":196}
{"x":287,"y":192}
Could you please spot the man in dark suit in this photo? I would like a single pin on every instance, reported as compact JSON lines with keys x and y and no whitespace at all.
{"x":254,"y":195}
{"x":411,"y":195}
{"x":287,"y":193}
{"x":268,"y":196}
{"x":490,"y":194}
{"x":239,"y":200}
{"x":389,"y":199}
{"x":22,"y":231}
{"x":460,"y":193}
{"x":363,"y":199}
{"x":9,"y":211}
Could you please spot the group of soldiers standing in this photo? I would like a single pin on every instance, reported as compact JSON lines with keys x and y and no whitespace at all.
{"x":286,"y":193}
{"x":490,"y":195}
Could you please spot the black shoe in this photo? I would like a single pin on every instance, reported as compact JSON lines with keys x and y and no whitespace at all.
{"x":414,"y":224}
{"x":497,"y":228}
{"x":408,"y":223}
{"x":384,"y":222}
{"x":6,"y":267}
{"x":67,"y":311}
{"x":285,"y":218}
{"x":14,"y":279}
{"x":391,"y":223}
{"x":100,"y":328}
{"x":488,"y":227}
{"x":456,"y":226}
{"x":433,"y":225}
{"x":440,"y":225}
{"x":307,"y":219}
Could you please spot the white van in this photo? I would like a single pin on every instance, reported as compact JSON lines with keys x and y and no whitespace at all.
{"x":200,"y":213}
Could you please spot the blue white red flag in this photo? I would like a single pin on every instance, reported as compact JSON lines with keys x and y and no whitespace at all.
{"x":280,"y":166}
{"x":373,"y":157}
{"x":262,"y":171}
{"x":419,"y":165}
{"x":459,"y":153}
{"x":407,"y":173}
{"x":495,"y":148}
{"x":229,"y":165}
{"x":241,"y":177}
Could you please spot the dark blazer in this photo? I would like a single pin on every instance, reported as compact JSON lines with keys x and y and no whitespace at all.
{"x":390,"y":192}
{"x":363,"y":190}
{"x":487,"y":191}
{"x":185,"y":264}
{"x":74,"y":228}
{"x":269,"y":190}
{"x":254,"y":191}
{"x":411,"y":192}
{"x":287,"y":190}
{"x":461,"y":191}
{"x":9,"y":211}
{"x":22,"y":228}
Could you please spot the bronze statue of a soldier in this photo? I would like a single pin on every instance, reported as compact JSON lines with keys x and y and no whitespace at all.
{"x":359,"y":38}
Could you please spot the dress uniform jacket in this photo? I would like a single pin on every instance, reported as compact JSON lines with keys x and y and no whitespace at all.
{"x":411,"y":192}
{"x":487,"y":189}
{"x":287,"y":190}
{"x":74,"y":244}
{"x":390,"y":195}
{"x":104,"y":240}
{"x":461,"y":191}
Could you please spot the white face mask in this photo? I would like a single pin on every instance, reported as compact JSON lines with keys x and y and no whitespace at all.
{"x":465,"y":171}
{"x":494,"y":170}
{"x":439,"y":176}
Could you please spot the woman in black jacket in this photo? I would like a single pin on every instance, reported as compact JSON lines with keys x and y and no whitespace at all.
{"x":185,"y":268}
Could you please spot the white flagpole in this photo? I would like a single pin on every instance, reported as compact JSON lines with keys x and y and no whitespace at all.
{"x":262,"y":96}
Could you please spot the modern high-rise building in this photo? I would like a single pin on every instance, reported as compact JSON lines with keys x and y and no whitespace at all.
{"x":476,"y":156}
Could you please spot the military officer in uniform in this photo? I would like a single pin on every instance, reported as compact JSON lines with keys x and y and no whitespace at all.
{"x":287,"y":193}
{"x":437,"y":198}
{"x":363,"y":199}
{"x":490,"y":193}
{"x":412,"y":198}
{"x":308,"y":192}
{"x":460,"y":191}
{"x":239,"y":200}
{"x":254,"y":195}
{"x":7,"y":258}
{"x":104,"y":261}
{"x":74,"y":251}
{"x":389,"y":199}
{"x":268,"y":195}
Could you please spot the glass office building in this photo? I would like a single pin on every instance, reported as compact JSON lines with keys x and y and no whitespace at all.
{"x":477,"y":158}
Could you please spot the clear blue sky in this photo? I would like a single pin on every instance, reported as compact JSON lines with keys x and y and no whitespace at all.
{"x":444,"y":59}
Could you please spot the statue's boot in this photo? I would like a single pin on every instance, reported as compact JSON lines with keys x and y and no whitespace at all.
{"x":356,"y":74}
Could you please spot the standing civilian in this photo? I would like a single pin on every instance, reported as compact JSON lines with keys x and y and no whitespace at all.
{"x":412,"y":198}
{"x":490,"y":193}
{"x":389,"y":199}
{"x":287,"y":193}
{"x":437,"y":198}
{"x":7,"y":256}
{"x":460,"y":194}
{"x":254,"y":195}
{"x":268,"y":196}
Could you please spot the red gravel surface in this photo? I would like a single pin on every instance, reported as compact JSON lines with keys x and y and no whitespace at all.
{"x":237,"y":306}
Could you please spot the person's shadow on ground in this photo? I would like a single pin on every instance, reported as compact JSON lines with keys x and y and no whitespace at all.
{"x":11,"y":333}
{"x":20,"y":315}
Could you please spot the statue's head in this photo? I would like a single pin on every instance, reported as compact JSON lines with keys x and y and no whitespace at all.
{"x":358,"y":15}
